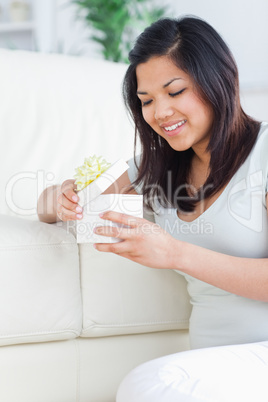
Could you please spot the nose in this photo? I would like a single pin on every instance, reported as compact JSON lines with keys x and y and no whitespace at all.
{"x":163,"y":109}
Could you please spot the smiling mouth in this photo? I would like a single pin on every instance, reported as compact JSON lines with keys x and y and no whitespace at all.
{"x":174,"y":126}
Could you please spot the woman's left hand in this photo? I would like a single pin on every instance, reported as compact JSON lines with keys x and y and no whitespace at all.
{"x":142,"y":241}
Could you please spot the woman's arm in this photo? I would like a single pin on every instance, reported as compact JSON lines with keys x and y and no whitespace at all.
{"x":46,"y":206}
{"x":247,"y":277}
{"x":61,"y":202}
{"x":149,"y":245}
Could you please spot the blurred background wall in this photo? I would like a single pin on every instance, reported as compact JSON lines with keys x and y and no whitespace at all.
{"x":53,"y":26}
{"x":242,"y":23}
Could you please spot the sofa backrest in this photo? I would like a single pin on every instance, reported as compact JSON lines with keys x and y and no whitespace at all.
{"x":55,"y":110}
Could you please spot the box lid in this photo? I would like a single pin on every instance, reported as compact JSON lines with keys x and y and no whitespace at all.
{"x":104,"y":181}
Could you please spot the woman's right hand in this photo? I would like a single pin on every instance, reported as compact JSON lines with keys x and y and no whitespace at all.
{"x":68,"y":208}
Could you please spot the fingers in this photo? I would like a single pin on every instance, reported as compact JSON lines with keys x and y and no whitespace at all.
{"x":120,"y":248}
{"x":67,"y":202}
{"x":69,"y":215}
{"x":114,"y":231}
{"x":123,"y":219}
{"x":129,"y":227}
{"x":68,"y":188}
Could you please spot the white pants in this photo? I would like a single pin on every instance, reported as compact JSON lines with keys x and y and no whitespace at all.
{"x":237,"y":373}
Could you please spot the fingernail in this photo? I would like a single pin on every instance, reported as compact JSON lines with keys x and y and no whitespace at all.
{"x":79,"y":216}
{"x":101,"y":214}
{"x":78,"y":209}
{"x":94,"y":245}
{"x":75,"y":198}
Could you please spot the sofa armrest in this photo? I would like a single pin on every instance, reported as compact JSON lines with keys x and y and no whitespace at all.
{"x":40,"y":297}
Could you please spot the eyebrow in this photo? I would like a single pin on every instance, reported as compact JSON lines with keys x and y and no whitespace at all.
{"x":164,"y":86}
{"x":169,"y":82}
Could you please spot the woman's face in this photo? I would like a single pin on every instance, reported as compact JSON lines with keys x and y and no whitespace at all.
{"x":172,"y":106}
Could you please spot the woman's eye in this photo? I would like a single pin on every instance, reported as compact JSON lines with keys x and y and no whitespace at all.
{"x":177,"y":93}
{"x":146,"y":103}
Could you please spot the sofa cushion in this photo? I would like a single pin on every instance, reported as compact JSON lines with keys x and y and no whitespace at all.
{"x":40,"y":296}
{"x":123,"y":297}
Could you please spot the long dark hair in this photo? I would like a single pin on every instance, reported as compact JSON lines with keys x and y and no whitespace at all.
{"x":197,"y":49}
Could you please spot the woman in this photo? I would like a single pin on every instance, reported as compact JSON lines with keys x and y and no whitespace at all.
{"x":203,"y":171}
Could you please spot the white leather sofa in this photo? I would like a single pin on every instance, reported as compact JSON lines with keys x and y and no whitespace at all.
{"x":73,"y":321}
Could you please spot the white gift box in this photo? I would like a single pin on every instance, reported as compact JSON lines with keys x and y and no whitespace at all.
{"x":125,"y":203}
{"x":94,"y":203}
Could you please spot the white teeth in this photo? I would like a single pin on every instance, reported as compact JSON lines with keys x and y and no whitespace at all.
{"x":170,"y":128}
